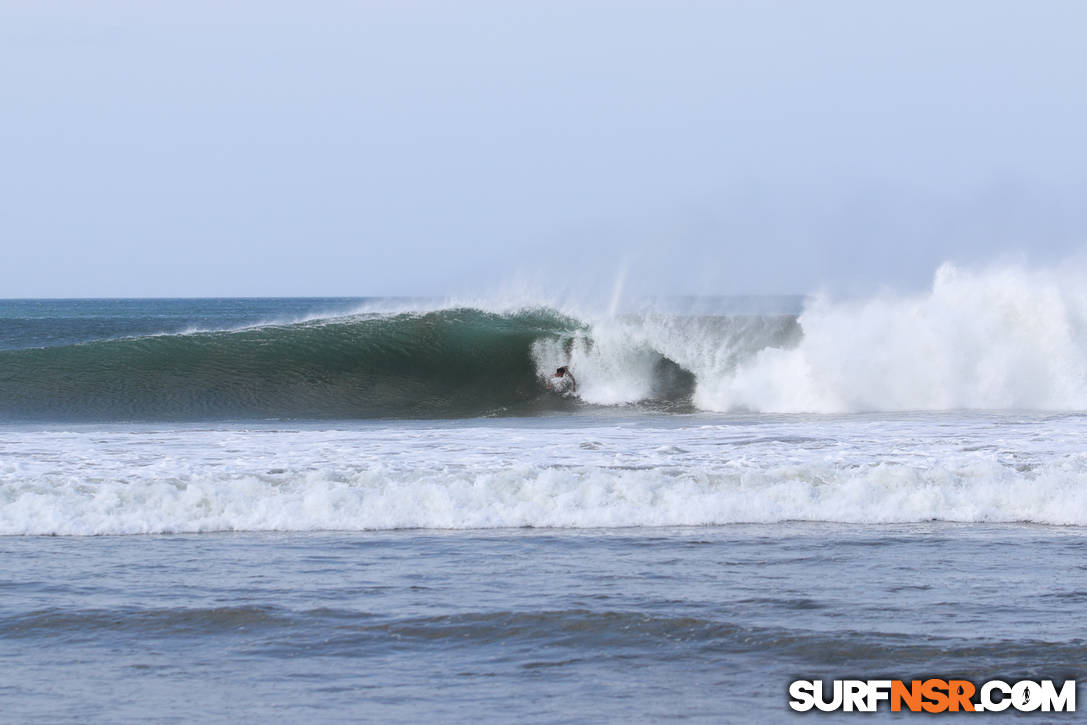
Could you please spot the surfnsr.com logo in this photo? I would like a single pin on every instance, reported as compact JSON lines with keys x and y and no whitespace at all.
{"x":933,"y":695}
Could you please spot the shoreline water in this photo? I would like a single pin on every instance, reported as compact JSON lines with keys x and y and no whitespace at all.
{"x":704,"y":624}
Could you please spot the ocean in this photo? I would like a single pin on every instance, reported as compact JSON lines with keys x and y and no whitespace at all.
{"x":343,"y":510}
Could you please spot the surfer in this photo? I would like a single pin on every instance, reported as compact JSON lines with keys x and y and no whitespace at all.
{"x":564,"y":372}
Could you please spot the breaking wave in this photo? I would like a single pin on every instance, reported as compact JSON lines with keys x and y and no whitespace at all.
{"x":456,"y":362}
{"x":205,"y":498}
{"x":997,"y":338}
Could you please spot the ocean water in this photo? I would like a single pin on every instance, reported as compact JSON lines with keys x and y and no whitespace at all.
{"x":374,"y":510}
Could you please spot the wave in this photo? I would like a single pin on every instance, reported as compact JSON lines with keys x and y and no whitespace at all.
{"x":207,"y":498}
{"x":997,"y":338}
{"x":451,"y":362}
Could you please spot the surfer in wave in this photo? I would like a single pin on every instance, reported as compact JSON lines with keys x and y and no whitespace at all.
{"x":562,"y":373}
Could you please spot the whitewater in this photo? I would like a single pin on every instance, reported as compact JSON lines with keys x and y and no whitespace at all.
{"x":996,"y":338}
{"x":599,"y":472}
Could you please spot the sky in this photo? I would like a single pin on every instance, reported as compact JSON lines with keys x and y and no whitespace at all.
{"x":376,"y":148}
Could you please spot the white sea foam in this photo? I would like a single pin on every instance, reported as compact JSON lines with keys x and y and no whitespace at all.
{"x":990,"y":469}
{"x":995,"y":338}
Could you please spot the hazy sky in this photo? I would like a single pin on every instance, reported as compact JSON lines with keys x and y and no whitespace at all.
{"x":379,"y":148}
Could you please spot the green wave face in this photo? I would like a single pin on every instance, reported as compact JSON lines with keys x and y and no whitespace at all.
{"x":448,"y":363}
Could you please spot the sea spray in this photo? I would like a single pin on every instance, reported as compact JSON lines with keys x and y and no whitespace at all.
{"x":999,"y":338}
